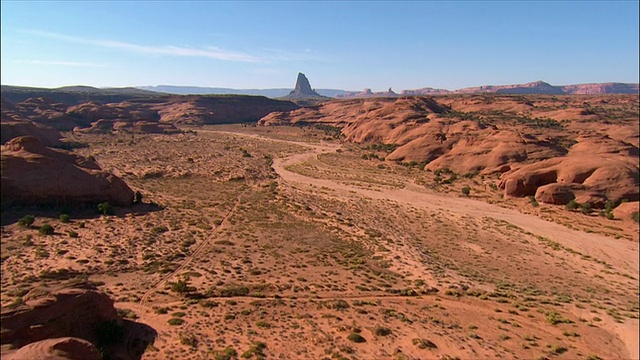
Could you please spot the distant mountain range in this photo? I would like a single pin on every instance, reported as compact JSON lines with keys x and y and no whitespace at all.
{"x":538,"y":87}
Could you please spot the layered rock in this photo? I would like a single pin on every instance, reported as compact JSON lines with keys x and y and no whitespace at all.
{"x":33,"y":173}
{"x":65,"y":348}
{"x":14,"y":128}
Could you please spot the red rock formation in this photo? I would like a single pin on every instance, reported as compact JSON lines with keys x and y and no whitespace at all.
{"x":15,"y":128}
{"x":64,"y":313}
{"x":33,"y":173}
{"x":625,"y":211}
{"x":202,"y":110}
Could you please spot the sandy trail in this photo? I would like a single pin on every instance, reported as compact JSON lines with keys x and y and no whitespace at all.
{"x":620,"y":253}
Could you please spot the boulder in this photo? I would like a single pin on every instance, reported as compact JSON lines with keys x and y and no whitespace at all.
{"x":555,"y":194}
{"x":625,"y":210}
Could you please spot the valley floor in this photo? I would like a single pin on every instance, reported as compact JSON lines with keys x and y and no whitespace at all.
{"x":290,"y":244}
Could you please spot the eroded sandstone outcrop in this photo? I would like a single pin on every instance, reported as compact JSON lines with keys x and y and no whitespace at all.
{"x":33,"y":173}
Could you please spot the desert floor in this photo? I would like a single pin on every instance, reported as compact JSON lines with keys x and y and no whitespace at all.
{"x":291,"y":244}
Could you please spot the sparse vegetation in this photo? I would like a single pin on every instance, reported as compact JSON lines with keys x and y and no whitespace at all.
{"x":46,"y":229}
{"x":356,"y":338}
{"x":105,"y":208}
{"x":26,"y":220}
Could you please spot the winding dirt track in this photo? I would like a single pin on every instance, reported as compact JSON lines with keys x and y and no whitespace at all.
{"x":620,"y":253}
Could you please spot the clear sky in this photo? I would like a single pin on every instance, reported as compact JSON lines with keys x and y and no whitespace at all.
{"x":337,"y":44}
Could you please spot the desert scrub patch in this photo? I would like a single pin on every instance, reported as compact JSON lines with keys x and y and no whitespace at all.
{"x":228,"y":353}
{"x":557,"y":349}
{"x":263,"y":324}
{"x":26,"y":220}
{"x":424,"y":343}
{"x":382,"y":331}
{"x":553,"y":318}
{"x":356,"y":338}
{"x":175,"y":321}
{"x":189,"y":340}
{"x":256,"y":349}
{"x":159,"y":229}
{"x":230,"y":290}
{"x":46,"y":229}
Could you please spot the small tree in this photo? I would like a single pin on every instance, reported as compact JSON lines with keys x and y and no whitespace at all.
{"x":586,"y":208}
{"x":466,"y":190}
{"x":26,"y":220}
{"x":64,"y":218}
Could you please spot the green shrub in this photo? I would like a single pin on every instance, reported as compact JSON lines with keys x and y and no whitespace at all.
{"x":572,"y":205}
{"x":263,"y":324}
{"x":635,"y":216}
{"x":26,"y":220}
{"x":424,"y":344}
{"x":175,"y":321}
{"x":554,"y":318}
{"x":105,"y":208}
{"x":64,"y":218}
{"x":609,"y":206}
{"x":356,"y":338}
{"x":181,"y":286}
{"x":189,"y":340}
{"x":533,"y":201}
{"x":227,"y":354}
{"x":72,"y":234}
{"x":46,"y":229}
{"x":256,"y":349}
{"x":382,"y":331}
{"x":466,"y":190}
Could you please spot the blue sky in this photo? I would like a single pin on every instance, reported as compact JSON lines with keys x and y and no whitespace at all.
{"x":337,"y":44}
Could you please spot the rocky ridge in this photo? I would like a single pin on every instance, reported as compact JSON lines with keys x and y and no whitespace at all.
{"x":554,"y":149}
